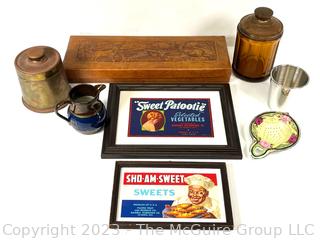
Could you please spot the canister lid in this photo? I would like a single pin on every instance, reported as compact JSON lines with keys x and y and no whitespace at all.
{"x":39,"y":62}
{"x":261,"y":25}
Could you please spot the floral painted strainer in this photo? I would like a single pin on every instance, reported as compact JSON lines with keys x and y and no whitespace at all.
{"x":272,"y":131}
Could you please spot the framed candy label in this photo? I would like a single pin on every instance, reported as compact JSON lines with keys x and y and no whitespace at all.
{"x":170,"y":121}
{"x":170,"y":117}
{"x":170,"y":194}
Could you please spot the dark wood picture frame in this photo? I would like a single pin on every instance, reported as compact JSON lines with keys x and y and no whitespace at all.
{"x":228,"y":225}
{"x":112,"y":150}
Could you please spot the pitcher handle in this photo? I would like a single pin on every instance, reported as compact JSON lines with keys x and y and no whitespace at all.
{"x":99,"y":87}
{"x":61,"y":105}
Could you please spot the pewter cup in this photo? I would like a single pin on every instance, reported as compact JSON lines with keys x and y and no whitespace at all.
{"x":283,"y":78}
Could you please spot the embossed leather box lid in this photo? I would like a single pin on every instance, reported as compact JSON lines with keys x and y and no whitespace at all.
{"x":112,"y":59}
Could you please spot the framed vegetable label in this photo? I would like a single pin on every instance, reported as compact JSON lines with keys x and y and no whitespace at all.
{"x":170,"y":117}
{"x":170,"y":121}
{"x":170,"y":195}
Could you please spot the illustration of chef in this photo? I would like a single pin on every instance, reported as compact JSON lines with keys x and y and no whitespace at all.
{"x":197,"y":203}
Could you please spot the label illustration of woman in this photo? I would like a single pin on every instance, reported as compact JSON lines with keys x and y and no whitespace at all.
{"x":152,"y":121}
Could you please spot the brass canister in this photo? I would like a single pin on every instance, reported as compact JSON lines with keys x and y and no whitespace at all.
{"x":42,"y":78}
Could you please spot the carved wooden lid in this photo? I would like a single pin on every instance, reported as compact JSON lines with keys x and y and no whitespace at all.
{"x":151,"y":59}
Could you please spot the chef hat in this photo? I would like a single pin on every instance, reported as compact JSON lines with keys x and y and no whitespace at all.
{"x":199,"y":180}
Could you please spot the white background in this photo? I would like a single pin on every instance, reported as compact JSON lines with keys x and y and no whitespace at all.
{"x":52,"y":175}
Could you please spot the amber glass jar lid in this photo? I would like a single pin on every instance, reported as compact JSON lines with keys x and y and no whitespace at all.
{"x":38,"y":62}
{"x":261,"y":25}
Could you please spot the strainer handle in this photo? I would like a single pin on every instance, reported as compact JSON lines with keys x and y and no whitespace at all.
{"x":257,"y":151}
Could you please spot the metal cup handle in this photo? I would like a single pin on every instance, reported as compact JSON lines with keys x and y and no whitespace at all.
{"x":61,"y":105}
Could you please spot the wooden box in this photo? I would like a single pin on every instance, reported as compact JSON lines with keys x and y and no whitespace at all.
{"x":111,"y":59}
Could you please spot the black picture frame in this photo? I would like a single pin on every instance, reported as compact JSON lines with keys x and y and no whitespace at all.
{"x":227,"y":225}
{"x":112,"y":150}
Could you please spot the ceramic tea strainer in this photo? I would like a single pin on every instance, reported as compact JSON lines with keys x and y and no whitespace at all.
{"x":272,"y":131}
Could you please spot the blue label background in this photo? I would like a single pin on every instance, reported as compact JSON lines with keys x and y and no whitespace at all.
{"x":144,"y":208}
{"x":204,"y":129}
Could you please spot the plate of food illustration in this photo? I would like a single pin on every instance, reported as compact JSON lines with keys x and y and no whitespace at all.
{"x":187,"y":210}
{"x":272,"y":131}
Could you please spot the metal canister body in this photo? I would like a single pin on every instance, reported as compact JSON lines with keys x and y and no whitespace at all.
{"x":42,"y":78}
